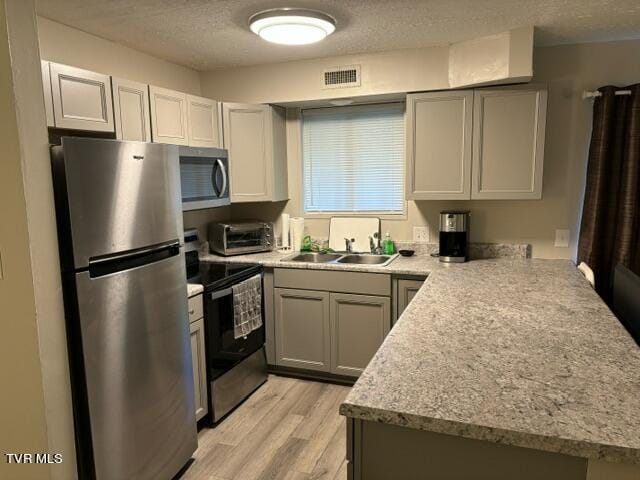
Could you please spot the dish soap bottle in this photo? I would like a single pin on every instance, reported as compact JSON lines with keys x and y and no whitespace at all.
{"x":388,"y":246}
{"x":306,"y":244}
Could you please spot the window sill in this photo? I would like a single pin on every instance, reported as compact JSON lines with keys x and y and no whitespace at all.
{"x":380,"y":215}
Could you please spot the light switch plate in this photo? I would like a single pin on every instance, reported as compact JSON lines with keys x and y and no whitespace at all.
{"x":421,"y":234}
{"x":562,"y":238}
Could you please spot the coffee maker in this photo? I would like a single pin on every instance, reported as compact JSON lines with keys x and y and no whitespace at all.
{"x":454,"y":236}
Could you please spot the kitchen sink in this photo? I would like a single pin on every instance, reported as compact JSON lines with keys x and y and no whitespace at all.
{"x":344,"y":258}
{"x":366,"y":259}
{"x":314,"y":257}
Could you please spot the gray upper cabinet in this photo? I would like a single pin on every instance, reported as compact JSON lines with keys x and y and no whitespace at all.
{"x":255,"y":136}
{"x":302,"y":329}
{"x":131,"y":110}
{"x":439,"y":132}
{"x":508,"y":142}
{"x":359,"y":324}
{"x":48,"y":96}
{"x":476,"y":144}
{"x":203,"y":119}
{"x":168,"y":116}
{"x":181,"y":119}
{"x":81,"y":99}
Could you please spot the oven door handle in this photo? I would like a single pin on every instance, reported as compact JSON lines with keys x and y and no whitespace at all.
{"x":221,"y":293}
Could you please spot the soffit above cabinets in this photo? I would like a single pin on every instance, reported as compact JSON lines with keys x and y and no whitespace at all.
{"x":214,"y":34}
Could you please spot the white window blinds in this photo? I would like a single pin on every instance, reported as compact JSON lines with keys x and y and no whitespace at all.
{"x":353,"y":159}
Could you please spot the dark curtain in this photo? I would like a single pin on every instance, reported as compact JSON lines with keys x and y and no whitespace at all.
{"x":610,"y":230}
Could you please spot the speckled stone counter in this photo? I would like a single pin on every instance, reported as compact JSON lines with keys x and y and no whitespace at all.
{"x":518,"y":352}
{"x":194,"y":289}
{"x":416,"y":265}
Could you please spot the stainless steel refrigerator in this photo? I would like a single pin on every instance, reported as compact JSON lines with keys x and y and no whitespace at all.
{"x":119,"y":215}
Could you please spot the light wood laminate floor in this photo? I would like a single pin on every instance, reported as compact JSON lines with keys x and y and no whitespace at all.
{"x":288,"y":429}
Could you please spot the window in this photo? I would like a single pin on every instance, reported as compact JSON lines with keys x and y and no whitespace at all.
{"x":353,"y":159}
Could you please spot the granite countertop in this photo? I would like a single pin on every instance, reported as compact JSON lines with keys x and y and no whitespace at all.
{"x":194,"y":289}
{"x":416,"y":265}
{"x":514,"y":351}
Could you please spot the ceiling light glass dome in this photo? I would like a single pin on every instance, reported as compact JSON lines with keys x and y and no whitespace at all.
{"x":292,"y":26}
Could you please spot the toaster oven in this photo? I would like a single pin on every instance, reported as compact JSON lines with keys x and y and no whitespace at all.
{"x":241,"y":237}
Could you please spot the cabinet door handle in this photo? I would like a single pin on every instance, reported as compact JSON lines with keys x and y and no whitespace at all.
{"x":191,"y":312}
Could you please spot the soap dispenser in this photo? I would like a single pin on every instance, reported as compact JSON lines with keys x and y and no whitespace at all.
{"x":388,"y":246}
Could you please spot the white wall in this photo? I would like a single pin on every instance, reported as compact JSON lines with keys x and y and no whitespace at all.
{"x":201,"y":219}
{"x":567,"y":70}
{"x":37,"y":328}
{"x":381,"y":73}
{"x":501,"y":58}
{"x":63,"y":44}
{"x":23,"y":416}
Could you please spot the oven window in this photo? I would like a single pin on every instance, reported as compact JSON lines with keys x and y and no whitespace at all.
{"x":200,"y":179}
{"x":244,"y":238}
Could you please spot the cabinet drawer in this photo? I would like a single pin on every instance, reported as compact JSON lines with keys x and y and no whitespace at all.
{"x":334,"y":281}
{"x":195,"y":308}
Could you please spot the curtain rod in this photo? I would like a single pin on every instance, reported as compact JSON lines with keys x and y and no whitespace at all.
{"x":586,"y":94}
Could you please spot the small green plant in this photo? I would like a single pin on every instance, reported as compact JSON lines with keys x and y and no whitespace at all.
{"x":317,"y":246}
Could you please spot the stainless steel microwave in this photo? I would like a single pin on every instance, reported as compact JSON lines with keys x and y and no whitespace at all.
{"x":204,"y":177}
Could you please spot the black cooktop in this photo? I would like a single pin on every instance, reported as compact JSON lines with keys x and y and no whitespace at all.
{"x":216,"y":276}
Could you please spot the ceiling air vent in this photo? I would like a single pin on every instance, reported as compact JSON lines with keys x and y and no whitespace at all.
{"x":341,"y":77}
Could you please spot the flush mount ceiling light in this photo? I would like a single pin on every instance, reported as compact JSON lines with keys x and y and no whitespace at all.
{"x":292,"y":26}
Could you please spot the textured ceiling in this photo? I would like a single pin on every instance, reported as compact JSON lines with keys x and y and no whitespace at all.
{"x":207,"y":34}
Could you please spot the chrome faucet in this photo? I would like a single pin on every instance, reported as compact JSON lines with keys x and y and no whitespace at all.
{"x":375,"y":249}
{"x":349,"y":244}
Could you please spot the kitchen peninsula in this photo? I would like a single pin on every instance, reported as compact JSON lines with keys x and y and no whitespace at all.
{"x":503,"y":368}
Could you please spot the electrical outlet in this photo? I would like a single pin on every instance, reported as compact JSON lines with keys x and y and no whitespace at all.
{"x":421,"y":234}
{"x":562,"y":238}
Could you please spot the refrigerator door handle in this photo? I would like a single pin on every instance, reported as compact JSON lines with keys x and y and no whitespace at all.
{"x":135,"y":258}
{"x":142,"y":251}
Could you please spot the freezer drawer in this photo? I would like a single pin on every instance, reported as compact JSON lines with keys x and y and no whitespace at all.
{"x":134,"y":332}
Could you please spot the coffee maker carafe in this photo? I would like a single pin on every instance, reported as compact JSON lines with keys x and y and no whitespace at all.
{"x":454,"y":236}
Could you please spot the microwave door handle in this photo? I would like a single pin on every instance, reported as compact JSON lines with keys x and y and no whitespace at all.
{"x":223,"y":190}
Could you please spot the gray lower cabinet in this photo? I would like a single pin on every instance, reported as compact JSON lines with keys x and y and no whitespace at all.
{"x":406,"y":290}
{"x":199,"y":367}
{"x":328,"y":321}
{"x":359,"y":324}
{"x":378,"y":451}
{"x":302,"y":329}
